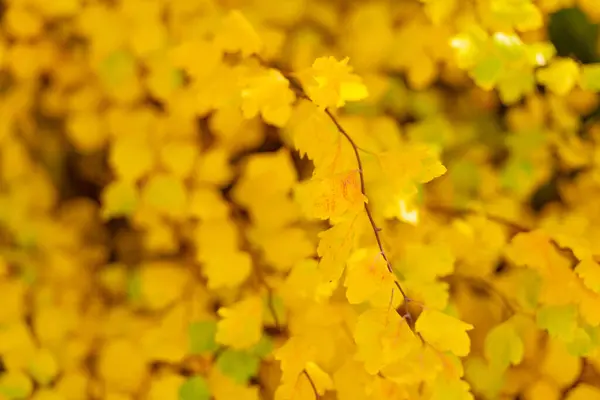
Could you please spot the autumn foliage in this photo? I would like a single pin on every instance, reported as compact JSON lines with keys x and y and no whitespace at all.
{"x":299,"y":199}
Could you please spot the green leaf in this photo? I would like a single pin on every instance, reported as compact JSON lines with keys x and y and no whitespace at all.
{"x":590,"y":77}
{"x":134,"y":288}
{"x":559,"y":321}
{"x":584,"y":341}
{"x":15,"y":386}
{"x":465,"y":175}
{"x":483,"y":378}
{"x":238,"y":365}
{"x":195,"y":388}
{"x":503,"y":346}
{"x":263,"y":348}
{"x":118,"y":68}
{"x":487,"y":72}
{"x":202,"y":337}
{"x":573,"y":34}
{"x":517,"y":175}
{"x":435,"y":130}
{"x":528,"y":292}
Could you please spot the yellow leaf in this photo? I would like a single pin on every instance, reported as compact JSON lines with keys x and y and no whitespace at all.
{"x":216,"y":237}
{"x":331,"y":197}
{"x":165,"y":387}
{"x":335,"y":246}
{"x":119,"y":199}
{"x":207,"y":203}
{"x":320,"y":378}
{"x":294,"y":355}
{"x":503,"y":346}
{"x":559,"y":365}
{"x":178,"y":157}
{"x":228,"y":269}
{"x":266,"y":175}
{"x":382,"y":337}
{"x":213,"y":167}
{"x":162,"y":283}
{"x":299,"y":389}
{"x":131,"y":156}
{"x":589,"y":271}
{"x":543,"y":389}
{"x":87,"y":130}
{"x":331,"y":83}
{"x":367,"y":276}
{"x":121,"y":365}
{"x":17,"y":345}
{"x":72,"y":385}
{"x":444,"y":332}
{"x":15,"y":385}
{"x":224,"y":388}
{"x":197,"y":57}
{"x":241,"y":325}
{"x":47,"y":394}
{"x":166,"y":194}
{"x":351,"y":381}
{"x":532,"y":249}
{"x":560,"y":76}
{"x":421,"y":262}
{"x":446,"y":389}
{"x":237,"y":34}
{"x":313,"y":133}
{"x":434,"y":294}
{"x":44,"y":367}
{"x":583,"y":391}
{"x":268,"y":93}
{"x":421,"y":364}
{"x":282,"y":248}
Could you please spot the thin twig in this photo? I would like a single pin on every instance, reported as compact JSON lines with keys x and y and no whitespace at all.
{"x":312,"y":384}
{"x":297,"y":87}
{"x":270,"y":297}
{"x":376,"y":230}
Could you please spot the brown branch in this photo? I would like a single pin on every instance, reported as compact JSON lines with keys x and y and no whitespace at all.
{"x":261,"y":279}
{"x":300,"y":90}
{"x":312,"y":384}
{"x":297,"y":87}
{"x":376,"y":230}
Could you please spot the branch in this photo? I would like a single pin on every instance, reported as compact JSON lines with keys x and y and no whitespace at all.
{"x":312,"y":384}
{"x":376,"y":230}
{"x":301,"y":93}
